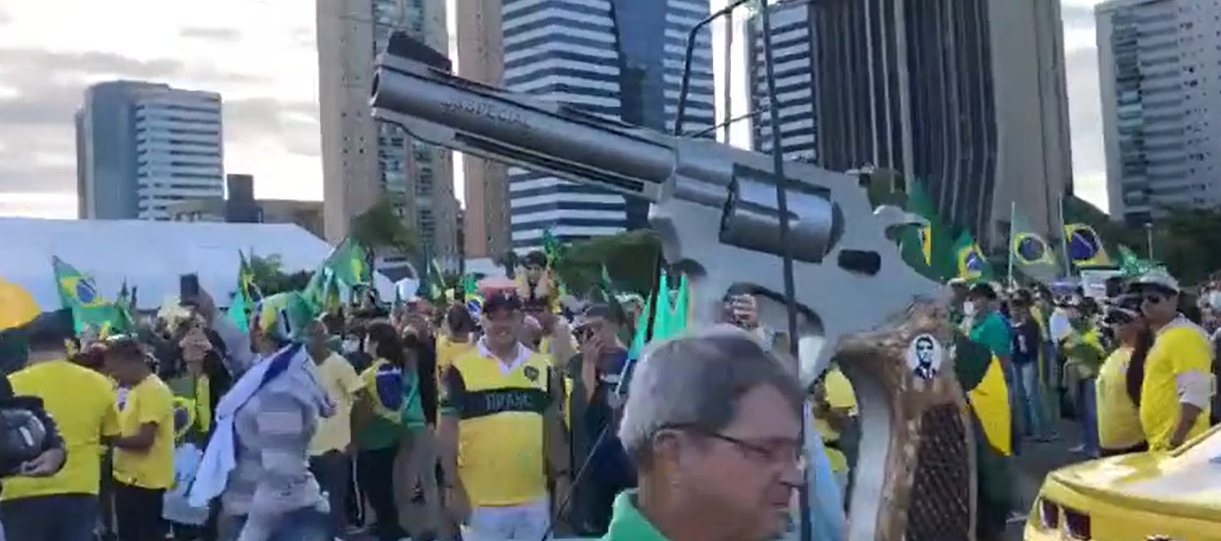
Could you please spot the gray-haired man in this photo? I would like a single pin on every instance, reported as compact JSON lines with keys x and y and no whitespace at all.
{"x":713,"y":423}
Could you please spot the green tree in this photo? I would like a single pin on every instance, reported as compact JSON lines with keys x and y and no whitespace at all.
{"x":270,"y":277}
{"x":630,"y":258}
{"x":1184,"y":239}
{"x":381,"y":228}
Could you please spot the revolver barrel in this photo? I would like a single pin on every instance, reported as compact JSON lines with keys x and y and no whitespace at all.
{"x":438,"y":107}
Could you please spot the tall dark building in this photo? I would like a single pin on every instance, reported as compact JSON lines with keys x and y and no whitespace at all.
{"x":966,"y":95}
{"x":618,"y":58}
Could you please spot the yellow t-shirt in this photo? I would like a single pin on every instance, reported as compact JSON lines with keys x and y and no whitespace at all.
{"x":447,"y":351}
{"x":150,"y":401}
{"x":1118,"y":418}
{"x":1180,"y":351}
{"x":83,"y":404}
{"x":839,"y":395}
{"x":342,"y":383}
{"x":500,"y":435}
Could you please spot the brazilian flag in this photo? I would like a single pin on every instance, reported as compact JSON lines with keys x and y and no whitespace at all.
{"x":981,"y":374}
{"x":969,"y":260}
{"x":1030,"y":251}
{"x":1085,"y":246}
{"x":89,"y":308}
{"x":927,"y":249}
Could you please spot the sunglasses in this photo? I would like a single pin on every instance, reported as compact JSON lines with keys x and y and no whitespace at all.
{"x":1154,"y":298}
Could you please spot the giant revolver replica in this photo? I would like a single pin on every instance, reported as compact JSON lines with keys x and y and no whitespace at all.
{"x":715,"y":210}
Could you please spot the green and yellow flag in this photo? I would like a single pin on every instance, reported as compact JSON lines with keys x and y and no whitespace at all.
{"x":1030,"y":252}
{"x":1085,"y":247}
{"x":244,"y":297}
{"x":80,"y":294}
{"x":969,"y":260}
{"x":927,"y":249}
{"x":348,"y":263}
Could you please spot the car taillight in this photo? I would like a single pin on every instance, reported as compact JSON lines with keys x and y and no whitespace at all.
{"x":1049,"y":514}
{"x":1077,"y":524}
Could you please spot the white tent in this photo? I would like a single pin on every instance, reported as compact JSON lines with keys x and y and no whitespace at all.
{"x":150,"y":256}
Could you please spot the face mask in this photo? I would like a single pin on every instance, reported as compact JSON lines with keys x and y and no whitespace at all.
{"x":351,"y":346}
{"x":968,"y":308}
{"x":1214,"y":300}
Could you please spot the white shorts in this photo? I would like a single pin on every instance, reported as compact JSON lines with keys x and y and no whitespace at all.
{"x":526,"y":521}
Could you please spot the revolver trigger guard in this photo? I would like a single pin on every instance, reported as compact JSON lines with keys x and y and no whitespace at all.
{"x":892,"y":216}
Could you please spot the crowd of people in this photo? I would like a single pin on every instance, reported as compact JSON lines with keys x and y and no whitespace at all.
{"x":415,"y":420}
{"x":428,"y":421}
{"x":1134,"y":368}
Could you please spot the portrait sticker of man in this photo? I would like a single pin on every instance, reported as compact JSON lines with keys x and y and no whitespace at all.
{"x":924,"y":356}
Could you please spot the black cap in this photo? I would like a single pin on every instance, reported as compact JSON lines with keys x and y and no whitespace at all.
{"x":982,"y":289}
{"x":501,"y":300}
{"x":50,"y":329}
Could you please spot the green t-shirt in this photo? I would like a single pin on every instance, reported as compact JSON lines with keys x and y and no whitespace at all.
{"x":412,"y":411}
{"x":383,"y":392}
{"x":627,"y":524}
{"x":991,"y":330}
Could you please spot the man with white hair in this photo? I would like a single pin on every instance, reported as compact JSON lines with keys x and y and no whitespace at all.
{"x":713,"y":424}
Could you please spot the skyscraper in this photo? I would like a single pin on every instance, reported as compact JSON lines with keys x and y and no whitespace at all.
{"x":617,"y":58}
{"x":795,"y":76}
{"x":967,"y":95}
{"x":144,"y":146}
{"x":478,"y":54}
{"x":1160,"y":75}
{"x":364,"y":160}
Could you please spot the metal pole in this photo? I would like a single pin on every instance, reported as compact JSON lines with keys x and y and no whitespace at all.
{"x":1012,"y":215}
{"x":1068,"y":258}
{"x":782,"y":204}
{"x":1149,"y":239}
{"x":727,"y":98}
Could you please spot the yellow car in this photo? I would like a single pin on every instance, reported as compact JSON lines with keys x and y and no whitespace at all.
{"x":1172,"y":496}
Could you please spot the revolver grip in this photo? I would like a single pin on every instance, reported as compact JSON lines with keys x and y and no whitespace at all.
{"x":915,"y":477}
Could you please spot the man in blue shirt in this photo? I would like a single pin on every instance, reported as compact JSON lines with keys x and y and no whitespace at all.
{"x":1027,"y":347}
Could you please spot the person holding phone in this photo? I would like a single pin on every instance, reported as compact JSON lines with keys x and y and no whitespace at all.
{"x":595,"y":373}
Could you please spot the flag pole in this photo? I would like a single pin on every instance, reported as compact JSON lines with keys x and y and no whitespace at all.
{"x":1009,"y":248}
{"x":1068,"y":259}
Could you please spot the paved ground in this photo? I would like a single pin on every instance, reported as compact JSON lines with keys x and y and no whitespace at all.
{"x":1036,"y":460}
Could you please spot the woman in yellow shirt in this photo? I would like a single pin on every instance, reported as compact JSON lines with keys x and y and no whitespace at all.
{"x":1119,"y":430}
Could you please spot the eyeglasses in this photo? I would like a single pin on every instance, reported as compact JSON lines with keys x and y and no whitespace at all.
{"x":767,"y":451}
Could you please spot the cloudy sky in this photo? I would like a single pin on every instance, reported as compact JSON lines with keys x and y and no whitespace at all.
{"x":260,"y":55}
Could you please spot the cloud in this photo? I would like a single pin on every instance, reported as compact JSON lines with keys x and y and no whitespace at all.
{"x":41,"y":90}
{"x":1085,"y":111}
{"x":210,"y":33}
{"x":294,"y":124}
{"x":38,"y":205}
{"x":304,"y":37}
{"x":1077,"y":17}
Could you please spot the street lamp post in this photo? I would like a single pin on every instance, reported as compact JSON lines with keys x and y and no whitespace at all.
{"x":1149,"y":238}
